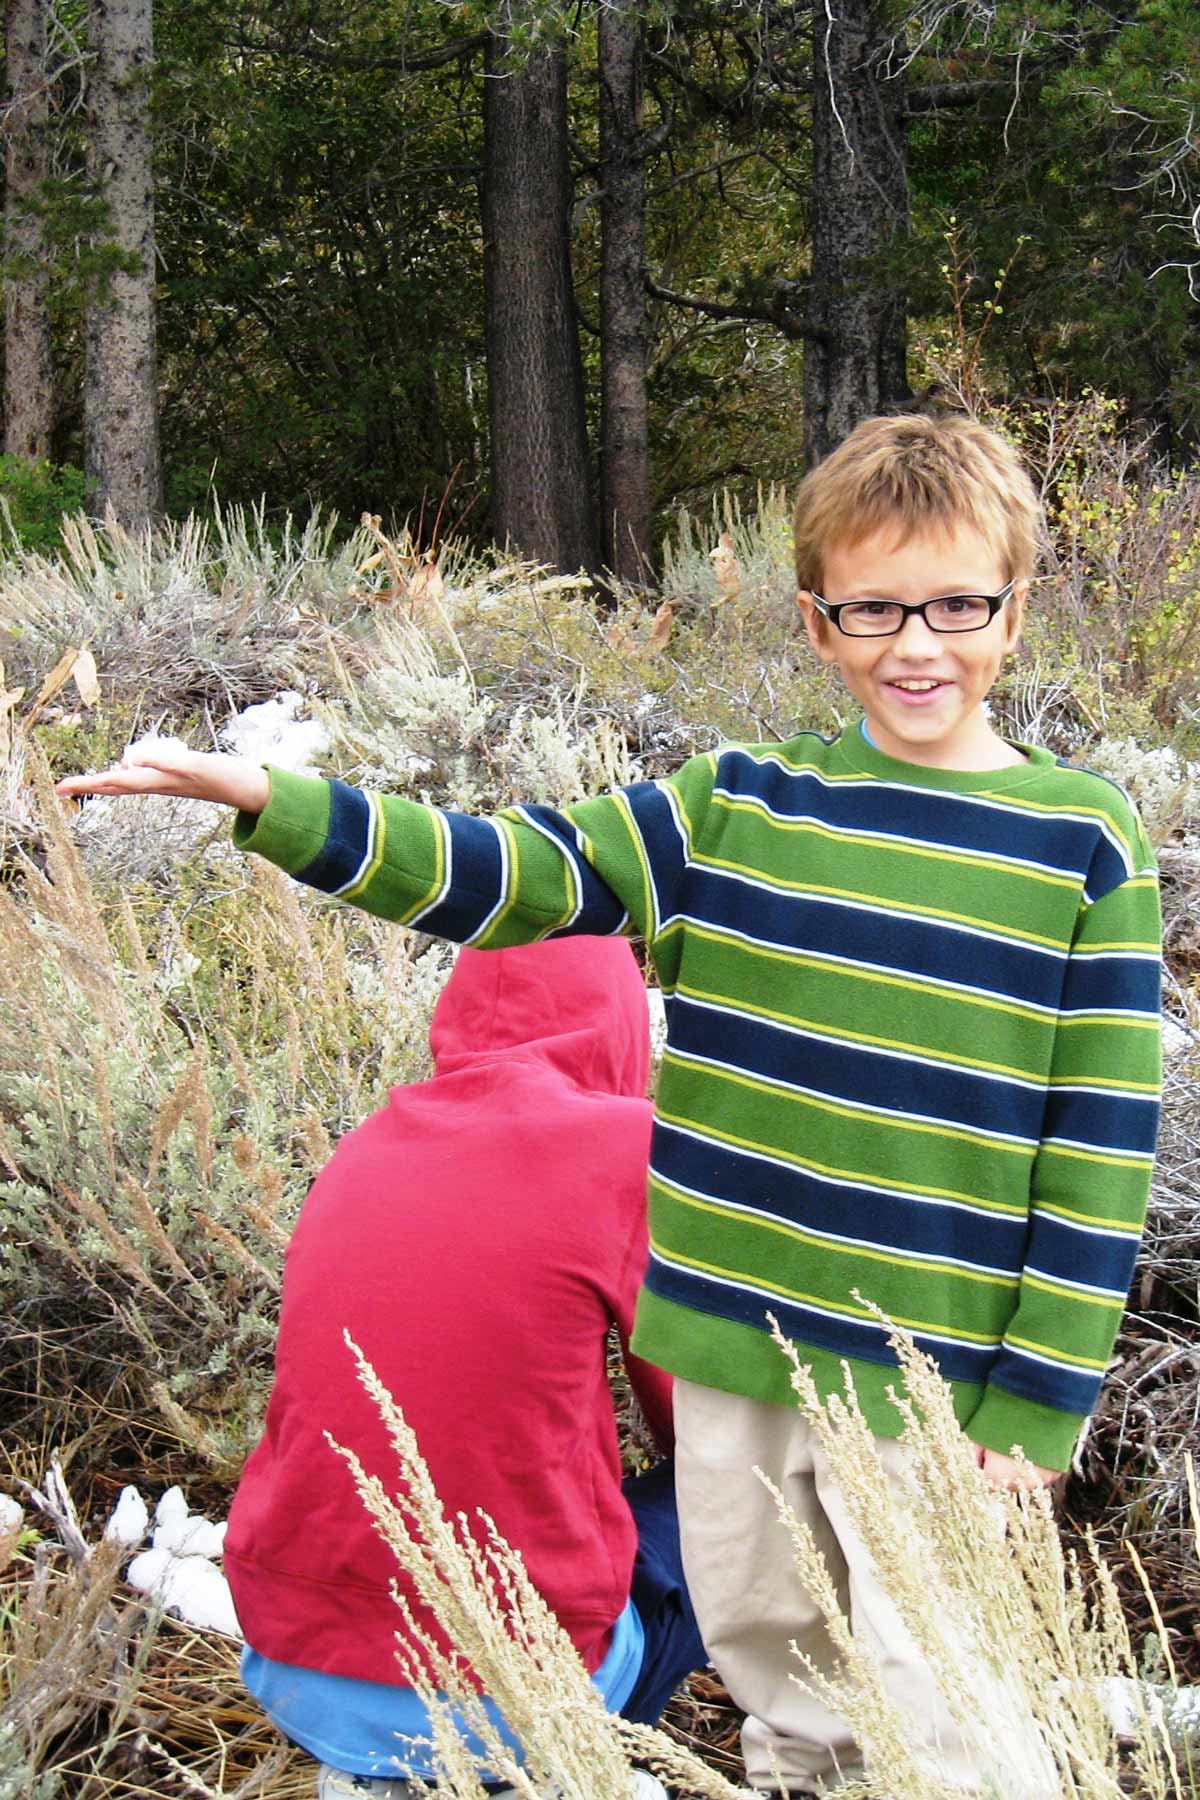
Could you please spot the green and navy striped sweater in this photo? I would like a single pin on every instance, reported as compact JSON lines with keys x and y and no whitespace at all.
{"x":913,"y":1047}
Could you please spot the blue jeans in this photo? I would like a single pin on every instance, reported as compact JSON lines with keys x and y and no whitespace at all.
{"x":673,"y":1647}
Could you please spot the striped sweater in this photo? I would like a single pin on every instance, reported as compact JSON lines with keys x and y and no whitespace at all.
{"x":913,"y":1049}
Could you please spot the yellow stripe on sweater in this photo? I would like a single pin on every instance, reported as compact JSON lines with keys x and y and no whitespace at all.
{"x":880,"y":841}
{"x":957,"y":1333}
{"x":799,"y":959}
{"x":864,"y":1115}
{"x":894,"y":909}
{"x":852,"y":1177}
{"x":829,"y":1245}
{"x":921,"y":1052}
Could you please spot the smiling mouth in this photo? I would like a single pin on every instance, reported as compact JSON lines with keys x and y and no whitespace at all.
{"x":917,"y":685}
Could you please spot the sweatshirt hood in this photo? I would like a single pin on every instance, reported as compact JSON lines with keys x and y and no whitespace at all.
{"x":577,"y":1003}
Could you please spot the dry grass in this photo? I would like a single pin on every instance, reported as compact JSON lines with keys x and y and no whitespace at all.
{"x":170,"y":1080}
{"x":186,"y":616}
{"x":1024,"y":1637}
{"x":138,"y":1705}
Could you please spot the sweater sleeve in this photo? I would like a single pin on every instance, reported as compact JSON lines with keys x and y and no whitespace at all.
{"x":607,"y":865}
{"x":1091,"y":1179}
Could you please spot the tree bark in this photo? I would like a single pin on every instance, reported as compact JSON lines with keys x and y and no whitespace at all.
{"x":121,"y":450}
{"x":855,"y":363}
{"x":28,"y":394}
{"x":624,"y":422}
{"x":541,"y":482}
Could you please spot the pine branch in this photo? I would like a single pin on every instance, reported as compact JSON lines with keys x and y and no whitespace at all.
{"x":414,"y":62}
{"x":950,"y":96}
{"x":774,"y":311}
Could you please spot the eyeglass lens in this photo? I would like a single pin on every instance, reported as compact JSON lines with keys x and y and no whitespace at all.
{"x":879,"y":618}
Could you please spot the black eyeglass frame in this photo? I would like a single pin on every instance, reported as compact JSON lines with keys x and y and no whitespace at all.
{"x":833,"y":611}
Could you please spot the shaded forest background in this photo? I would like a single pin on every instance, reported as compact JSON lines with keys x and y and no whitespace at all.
{"x":572,"y":266}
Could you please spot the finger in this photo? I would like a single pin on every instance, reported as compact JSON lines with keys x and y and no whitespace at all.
{"x":999,"y":1469}
{"x":1007,"y":1472}
{"x":158,"y":753}
{"x":122,"y":781}
{"x":164,"y":754}
{"x":74,"y":787}
{"x":149,"y":779}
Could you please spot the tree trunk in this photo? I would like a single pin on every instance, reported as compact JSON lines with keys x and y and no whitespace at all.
{"x":121,"y":451}
{"x":855,"y":357}
{"x":28,"y":396}
{"x":624,"y":428}
{"x":541,"y":485}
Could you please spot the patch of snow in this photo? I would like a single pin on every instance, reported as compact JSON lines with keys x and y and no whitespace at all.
{"x":12,"y":1514}
{"x":178,"y":1569}
{"x":193,"y":1536}
{"x":129,"y":1519}
{"x":1127,"y":1702}
{"x":271,"y":732}
{"x":647,"y":1786}
{"x":189,"y":1586}
{"x":172,"y":1508}
{"x":150,"y":740}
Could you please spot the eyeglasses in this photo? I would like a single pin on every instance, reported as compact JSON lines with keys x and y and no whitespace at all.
{"x":884,"y":618}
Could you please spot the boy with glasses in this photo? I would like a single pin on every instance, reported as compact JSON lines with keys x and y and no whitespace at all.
{"x":913,"y":1044}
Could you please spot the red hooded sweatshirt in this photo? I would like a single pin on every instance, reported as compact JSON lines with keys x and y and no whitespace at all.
{"x":477,"y":1237}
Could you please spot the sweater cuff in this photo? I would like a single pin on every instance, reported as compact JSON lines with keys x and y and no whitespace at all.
{"x":1003,"y":1421}
{"x":292,"y":827}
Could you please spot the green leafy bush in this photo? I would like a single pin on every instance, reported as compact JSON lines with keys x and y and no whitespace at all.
{"x":34,"y":496}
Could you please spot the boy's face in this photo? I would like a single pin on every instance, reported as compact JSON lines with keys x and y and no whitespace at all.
{"x":922,"y":690}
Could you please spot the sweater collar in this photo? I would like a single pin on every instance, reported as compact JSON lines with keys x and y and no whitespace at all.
{"x":857,"y":749}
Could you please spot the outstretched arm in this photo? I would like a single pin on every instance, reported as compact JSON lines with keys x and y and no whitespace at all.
{"x":165,"y":766}
{"x":607,"y":865}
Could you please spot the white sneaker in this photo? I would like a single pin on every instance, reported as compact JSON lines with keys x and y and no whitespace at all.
{"x":337,"y":1784}
{"x":645,"y":1787}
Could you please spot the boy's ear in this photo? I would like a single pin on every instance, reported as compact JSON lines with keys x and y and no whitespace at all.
{"x":816,"y":626}
{"x":1014,"y":614}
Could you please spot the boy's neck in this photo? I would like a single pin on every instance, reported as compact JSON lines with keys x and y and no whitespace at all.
{"x":973,"y":753}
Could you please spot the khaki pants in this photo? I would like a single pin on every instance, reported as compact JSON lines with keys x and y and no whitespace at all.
{"x":749,"y":1600}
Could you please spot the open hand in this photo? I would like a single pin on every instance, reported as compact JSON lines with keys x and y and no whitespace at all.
{"x":165,"y":766}
{"x":1006,"y":1472}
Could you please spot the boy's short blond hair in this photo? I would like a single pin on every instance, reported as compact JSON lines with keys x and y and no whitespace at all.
{"x":920,"y":473}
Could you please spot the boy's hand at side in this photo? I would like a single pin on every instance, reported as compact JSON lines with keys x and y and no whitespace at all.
{"x":1006,"y":1472}
{"x":165,"y":766}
